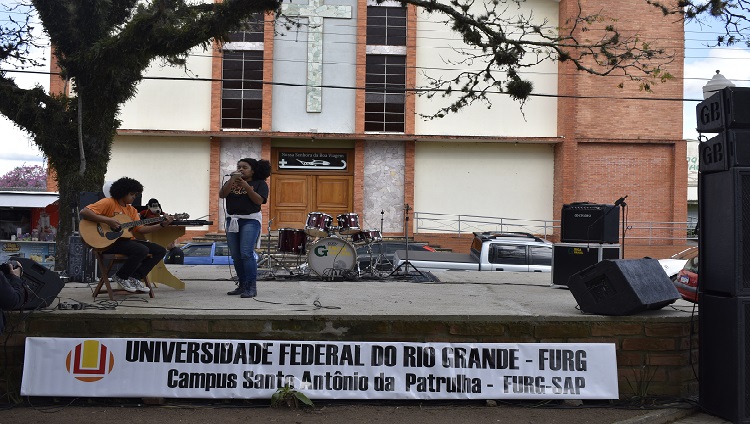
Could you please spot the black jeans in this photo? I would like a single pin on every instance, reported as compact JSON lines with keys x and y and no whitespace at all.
{"x":138,"y":265}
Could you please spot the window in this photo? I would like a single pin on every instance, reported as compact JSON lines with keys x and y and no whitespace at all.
{"x":540,"y":255}
{"x":242,"y":89}
{"x":507,"y":254}
{"x":386,"y":26}
{"x":242,"y":77}
{"x":203,"y":250}
{"x":385,"y":93}
{"x":385,"y":75}
{"x":221,"y":250}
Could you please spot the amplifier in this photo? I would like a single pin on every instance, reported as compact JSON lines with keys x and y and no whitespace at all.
{"x":589,"y":223}
{"x":42,"y":283}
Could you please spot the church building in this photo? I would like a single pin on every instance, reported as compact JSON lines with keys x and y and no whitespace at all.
{"x":331,"y":97}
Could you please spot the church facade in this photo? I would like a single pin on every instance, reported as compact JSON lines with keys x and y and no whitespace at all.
{"x":330,"y":97}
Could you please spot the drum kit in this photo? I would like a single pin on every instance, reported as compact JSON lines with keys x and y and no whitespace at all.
{"x":330,"y":251}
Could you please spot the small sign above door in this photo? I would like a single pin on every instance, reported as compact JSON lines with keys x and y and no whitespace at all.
{"x":312,"y":161}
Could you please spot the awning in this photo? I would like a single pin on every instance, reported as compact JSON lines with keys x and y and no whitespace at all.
{"x":27,"y":199}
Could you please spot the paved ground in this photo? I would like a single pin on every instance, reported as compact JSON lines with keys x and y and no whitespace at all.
{"x":454,"y":294}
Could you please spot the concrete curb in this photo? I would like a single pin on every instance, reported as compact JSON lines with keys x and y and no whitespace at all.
{"x":661,"y":416}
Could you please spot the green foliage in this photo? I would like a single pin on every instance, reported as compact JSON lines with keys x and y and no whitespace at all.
{"x":288,"y":397}
{"x":105,"y":46}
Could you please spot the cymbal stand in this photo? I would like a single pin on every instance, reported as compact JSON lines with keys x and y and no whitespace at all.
{"x":406,"y":263}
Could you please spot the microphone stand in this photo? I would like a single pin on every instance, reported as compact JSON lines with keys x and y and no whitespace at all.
{"x":268,"y":258}
{"x":406,"y":263}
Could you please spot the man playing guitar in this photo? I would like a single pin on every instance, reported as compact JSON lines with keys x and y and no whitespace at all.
{"x":115,"y":211}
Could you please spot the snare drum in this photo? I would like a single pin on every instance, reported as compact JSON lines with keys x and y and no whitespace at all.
{"x":348,"y":223}
{"x":331,"y":253}
{"x":292,"y":241}
{"x":367,"y":237}
{"x":318,"y":224}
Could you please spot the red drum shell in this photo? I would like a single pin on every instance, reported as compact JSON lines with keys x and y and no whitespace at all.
{"x":348,"y":223}
{"x":292,"y":241}
{"x":367,"y":237}
{"x":318,"y":224}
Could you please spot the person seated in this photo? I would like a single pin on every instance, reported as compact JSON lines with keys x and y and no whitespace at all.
{"x":13,"y":293}
{"x":139,"y":264}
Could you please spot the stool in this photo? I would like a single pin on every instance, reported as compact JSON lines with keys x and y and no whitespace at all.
{"x":106,"y":261}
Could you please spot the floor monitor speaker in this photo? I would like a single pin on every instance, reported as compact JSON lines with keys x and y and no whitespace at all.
{"x":622,"y":287}
{"x":43,"y":284}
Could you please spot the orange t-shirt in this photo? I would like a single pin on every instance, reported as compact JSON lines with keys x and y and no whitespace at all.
{"x":109,"y":207}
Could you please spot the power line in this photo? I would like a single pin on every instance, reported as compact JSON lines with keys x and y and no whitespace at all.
{"x":407,"y":90}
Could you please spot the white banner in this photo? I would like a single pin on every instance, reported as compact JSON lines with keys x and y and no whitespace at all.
{"x":224,"y":369}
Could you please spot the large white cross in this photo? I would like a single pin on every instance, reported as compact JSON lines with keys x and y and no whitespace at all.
{"x":315,"y":12}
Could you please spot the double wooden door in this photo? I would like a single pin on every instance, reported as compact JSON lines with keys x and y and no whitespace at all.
{"x":294,"y":196}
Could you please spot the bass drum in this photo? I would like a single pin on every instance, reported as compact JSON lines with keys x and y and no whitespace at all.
{"x":331,"y":256}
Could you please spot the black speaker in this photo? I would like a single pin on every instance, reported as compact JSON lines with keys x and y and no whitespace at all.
{"x":42,"y":283}
{"x":729,"y":108}
{"x":589,"y":223}
{"x":728,"y":149}
{"x":724,"y":243}
{"x":622,"y":287}
{"x":724,"y":356}
{"x":570,"y":258}
{"x":80,"y":260}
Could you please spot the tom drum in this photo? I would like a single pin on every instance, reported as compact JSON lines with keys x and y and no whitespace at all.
{"x":330,"y":255}
{"x":348,"y":223}
{"x":318,"y":224}
{"x":367,"y":237}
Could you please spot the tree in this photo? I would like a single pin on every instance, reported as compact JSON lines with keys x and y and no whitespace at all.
{"x":734,"y":15}
{"x":105,"y":46}
{"x":25,"y":176}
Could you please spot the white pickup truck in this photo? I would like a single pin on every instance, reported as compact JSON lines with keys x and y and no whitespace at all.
{"x":518,"y":252}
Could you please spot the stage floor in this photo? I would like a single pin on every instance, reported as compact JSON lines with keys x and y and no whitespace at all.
{"x":468,"y":294}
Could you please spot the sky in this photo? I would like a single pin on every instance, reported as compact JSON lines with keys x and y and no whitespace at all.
{"x":701,"y":63}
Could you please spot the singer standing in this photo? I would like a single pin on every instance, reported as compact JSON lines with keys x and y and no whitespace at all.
{"x":245,"y":191}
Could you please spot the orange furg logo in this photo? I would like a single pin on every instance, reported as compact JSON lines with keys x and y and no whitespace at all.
{"x":90,"y":361}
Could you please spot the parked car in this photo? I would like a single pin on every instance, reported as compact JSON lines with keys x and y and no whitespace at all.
{"x":490,"y":251}
{"x":386,"y":249}
{"x":674,"y":264}
{"x":206,"y":253}
{"x":686,"y":280}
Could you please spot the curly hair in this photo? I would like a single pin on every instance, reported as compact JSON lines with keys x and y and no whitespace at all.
{"x":124,"y":186}
{"x":261,"y":168}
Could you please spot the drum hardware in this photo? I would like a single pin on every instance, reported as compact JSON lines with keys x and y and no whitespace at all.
{"x":406,"y":264}
{"x":267,"y":259}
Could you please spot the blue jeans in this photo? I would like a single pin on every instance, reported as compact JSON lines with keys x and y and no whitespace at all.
{"x":242,"y":248}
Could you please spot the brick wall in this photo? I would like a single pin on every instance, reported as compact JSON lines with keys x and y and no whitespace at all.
{"x":661,"y":349}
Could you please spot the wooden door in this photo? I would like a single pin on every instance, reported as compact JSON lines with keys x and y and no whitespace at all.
{"x":294,"y":196}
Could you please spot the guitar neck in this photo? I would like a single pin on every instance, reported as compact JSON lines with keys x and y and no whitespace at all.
{"x":141,"y":222}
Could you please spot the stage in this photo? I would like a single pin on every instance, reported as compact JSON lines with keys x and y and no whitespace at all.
{"x":461,"y":307}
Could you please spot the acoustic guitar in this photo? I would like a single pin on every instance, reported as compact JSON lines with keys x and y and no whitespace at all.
{"x":99,"y":235}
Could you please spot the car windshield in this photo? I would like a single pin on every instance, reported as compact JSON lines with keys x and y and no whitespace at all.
{"x":197,"y":250}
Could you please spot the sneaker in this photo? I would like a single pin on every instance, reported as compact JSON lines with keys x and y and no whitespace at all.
{"x":138,"y":284}
{"x":125,"y":284}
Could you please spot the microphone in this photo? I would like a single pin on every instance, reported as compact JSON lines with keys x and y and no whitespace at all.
{"x":621,"y":200}
{"x":232,"y":174}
